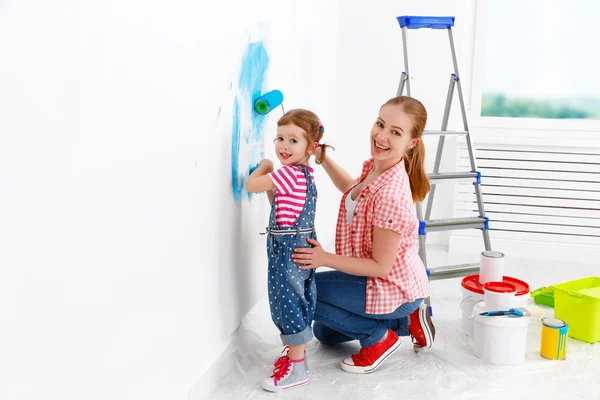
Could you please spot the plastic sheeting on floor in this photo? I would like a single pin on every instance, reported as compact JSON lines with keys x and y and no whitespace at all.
{"x":449,"y":370}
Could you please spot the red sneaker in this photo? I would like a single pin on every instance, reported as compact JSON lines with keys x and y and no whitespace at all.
{"x":421,"y":328}
{"x":369,"y":358}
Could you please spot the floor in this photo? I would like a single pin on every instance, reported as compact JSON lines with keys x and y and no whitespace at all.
{"x":449,"y":370}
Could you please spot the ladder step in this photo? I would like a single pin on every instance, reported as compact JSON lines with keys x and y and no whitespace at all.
{"x":431,"y":132}
{"x":453,"y":271}
{"x":416,"y":22}
{"x":436,"y":225}
{"x":455,"y":176}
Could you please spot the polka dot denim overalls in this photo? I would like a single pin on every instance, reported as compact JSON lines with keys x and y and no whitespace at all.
{"x":292,"y":291}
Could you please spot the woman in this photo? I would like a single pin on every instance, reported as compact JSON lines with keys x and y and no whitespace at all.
{"x":377,"y":288}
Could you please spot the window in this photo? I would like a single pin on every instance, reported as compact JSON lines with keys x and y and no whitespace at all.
{"x":536,"y":65}
{"x":542,"y":59}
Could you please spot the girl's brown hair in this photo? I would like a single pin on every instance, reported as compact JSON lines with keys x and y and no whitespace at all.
{"x":310,"y":123}
{"x":415,"y":157}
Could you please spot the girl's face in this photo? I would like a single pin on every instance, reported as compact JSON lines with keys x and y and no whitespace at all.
{"x":390,"y":135}
{"x":291,"y":145}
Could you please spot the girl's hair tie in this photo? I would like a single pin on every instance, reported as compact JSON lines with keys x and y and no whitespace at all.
{"x":321,"y":126}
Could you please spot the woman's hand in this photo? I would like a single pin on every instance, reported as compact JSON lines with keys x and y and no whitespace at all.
{"x":310,"y":257}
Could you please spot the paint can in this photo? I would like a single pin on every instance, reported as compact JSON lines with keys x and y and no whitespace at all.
{"x":499,"y":295}
{"x":491,"y":267}
{"x":499,"y":340}
{"x":554,"y":339}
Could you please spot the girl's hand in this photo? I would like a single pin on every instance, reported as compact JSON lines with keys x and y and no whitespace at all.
{"x":311,"y":257}
{"x":266,"y":163}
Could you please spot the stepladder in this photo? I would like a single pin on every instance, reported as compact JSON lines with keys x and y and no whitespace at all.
{"x":426,"y":224}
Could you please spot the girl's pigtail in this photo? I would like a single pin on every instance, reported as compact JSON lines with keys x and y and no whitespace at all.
{"x":320,"y":156}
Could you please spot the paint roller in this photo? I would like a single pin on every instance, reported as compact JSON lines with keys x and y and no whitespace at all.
{"x":268,"y":101}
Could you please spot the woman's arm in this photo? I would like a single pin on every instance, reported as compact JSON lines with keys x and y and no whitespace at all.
{"x":260,"y":181}
{"x":385,"y":250}
{"x":340,"y":178}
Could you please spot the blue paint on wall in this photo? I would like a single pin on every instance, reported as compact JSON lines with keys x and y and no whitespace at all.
{"x":236,"y":183}
{"x":251,"y":83}
{"x":247,"y":126}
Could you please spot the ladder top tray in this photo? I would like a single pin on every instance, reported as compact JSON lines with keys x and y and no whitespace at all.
{"x":416,"y":22}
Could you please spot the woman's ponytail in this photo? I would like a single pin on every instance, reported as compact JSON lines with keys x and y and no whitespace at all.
{"x":415,"y":167}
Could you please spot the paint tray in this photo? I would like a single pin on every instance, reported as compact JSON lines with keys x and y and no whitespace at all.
{"x":578,"y":304}
{"x":544,"y":295}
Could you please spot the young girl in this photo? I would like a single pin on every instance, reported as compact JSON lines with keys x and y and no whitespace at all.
{"x":293,"y":195}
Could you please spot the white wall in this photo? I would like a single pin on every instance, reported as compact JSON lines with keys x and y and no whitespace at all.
{"x":125,"y":263}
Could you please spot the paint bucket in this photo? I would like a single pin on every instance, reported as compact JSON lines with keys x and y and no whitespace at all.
{"x":472,"y":293}
{"x":554,"y":339}
{"x":499,"y":340}
{"x":491,"y":267}
{"x":499,"y":295}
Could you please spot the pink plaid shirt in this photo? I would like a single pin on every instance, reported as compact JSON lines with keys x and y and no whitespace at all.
{"x":387,"y":203}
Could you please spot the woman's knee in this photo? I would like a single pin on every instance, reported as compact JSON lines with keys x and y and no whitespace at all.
{"x":326,"y":335}
{"x":319,"y":332}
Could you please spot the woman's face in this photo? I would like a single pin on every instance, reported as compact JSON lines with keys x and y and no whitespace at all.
{"x":390,"y":135}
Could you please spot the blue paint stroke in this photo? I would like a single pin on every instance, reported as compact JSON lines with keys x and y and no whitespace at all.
{"x":251,"y":83}
{"x":255,"y":63}
{"x":236,"y":184}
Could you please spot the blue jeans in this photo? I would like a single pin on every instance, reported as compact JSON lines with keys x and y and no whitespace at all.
{"x":292,"y":294}
{"x":340,"y":313}
{"x":292,"y":291}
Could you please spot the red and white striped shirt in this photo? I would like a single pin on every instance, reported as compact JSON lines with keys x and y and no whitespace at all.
{"x":290,"y":196}
{"x":387,"y":203}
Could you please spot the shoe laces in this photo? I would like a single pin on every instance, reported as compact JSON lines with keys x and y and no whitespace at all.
{"x":281,"y":368}
{"x":285,"y":350}
{"x":362,"y":357}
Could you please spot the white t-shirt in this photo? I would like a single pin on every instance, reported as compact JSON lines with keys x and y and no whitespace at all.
{"x":350,"y":204}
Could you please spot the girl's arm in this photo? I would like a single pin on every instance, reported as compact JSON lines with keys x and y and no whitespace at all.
{"x":260,"y":181}
{"x":340,"y":178}
{"x":385,"y":249}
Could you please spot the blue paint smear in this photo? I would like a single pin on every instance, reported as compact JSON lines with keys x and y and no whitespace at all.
{"x":252,"y":77}
{"x":255,"y":63}
{"x":235,"y":151}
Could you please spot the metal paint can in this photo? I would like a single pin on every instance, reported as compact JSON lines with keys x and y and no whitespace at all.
{"x":491,"y":267}
{"x":554,"y":339}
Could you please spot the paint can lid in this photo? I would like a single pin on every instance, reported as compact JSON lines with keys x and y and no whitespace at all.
{"x":471,"y":283}
{"x":553,"y":322}
{"x":492,"y":254}
{"x":499,"y":287}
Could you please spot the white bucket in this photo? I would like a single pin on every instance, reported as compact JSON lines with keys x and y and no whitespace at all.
{"x":470,"y":298}
{"x":499,"y":295}
{"x":499,"y":340}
